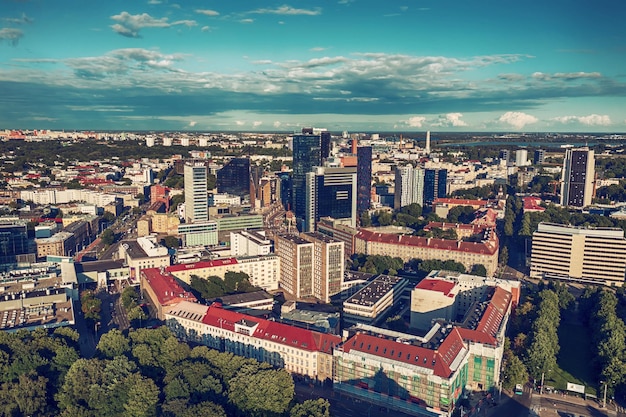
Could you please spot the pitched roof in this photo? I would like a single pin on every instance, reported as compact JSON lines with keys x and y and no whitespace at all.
{"x":165,"y":287}
{"x":202,"y":264}
{"x":284,"y":334}
{"x":494,"y":313}
{"x":437,"y":285}
{"x":440,"y":361}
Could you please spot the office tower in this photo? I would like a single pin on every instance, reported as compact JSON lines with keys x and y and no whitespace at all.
{"x":234,"y":177}
{"x":196,"y":197}
{"x":409,"y":186}
{"x":328,"y":265}
{"x":306,"y":156}
{"x":296,"y":265}
{"x":286,"y":190}
{"x":363,"y":178}
{"x":435,"y":185}
{"x":15,"y":246}
{"x":578,"y":177}
{"x":504,"y":155}
{"x":540,"y":156}
{"x":521,"y":157}
{"x":427,"y":148}
{"x":325,"y":145}
{"x":589,"y":255}
{"x":330,"y":192}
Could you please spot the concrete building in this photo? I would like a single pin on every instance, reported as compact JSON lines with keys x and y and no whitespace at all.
{"x":578,"y":177}
{"x":578,"y":253}
{"x":328,"y":264}
{"x":521,"y":157}
{"x":196,"y":197}
{"x":370,"y":302}
{"x":296,"y":265}
{"x":59,"y":244}
{"x":199,"y":233}
{"x":264,"y":271}
{"x":299,"y":351}
{"x":250,"y":243}
{"x":338,"y":230}
{"x":409,"y":186}
{"x":142,"y":253}
{"x":163,"y":290}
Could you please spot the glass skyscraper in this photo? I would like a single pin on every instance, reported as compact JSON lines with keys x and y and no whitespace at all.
{"x":234,"y":177}
{"x":330,"y":192}
{"x":435,"y":184}
{"x":364,"y":178}
{"x":306,"y":156}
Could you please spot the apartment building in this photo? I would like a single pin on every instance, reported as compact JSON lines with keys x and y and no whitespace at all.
{"x":328,"y":265}
{"x":296,"y":265}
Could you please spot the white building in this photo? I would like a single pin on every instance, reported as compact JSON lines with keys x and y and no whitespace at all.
{"x":250,"y":243}
{"x":142,"y":253}
{"x":372,"y":300}
{"x":196,"y":197}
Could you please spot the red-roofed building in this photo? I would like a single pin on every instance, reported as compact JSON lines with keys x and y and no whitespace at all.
{"x":532,"y":204}
{"x":406,"y":247}
{"x":163,"y":290}
{"x":299,"y":351}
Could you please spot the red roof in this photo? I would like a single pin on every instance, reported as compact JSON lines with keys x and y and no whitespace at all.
{"x":201,"y":264}
{"x":436,"y":285}
{"x":273,"y":331}
{"x":532,"y":204}
{"x":165,"y":287}
{"x":494,"y":313}
{"x":477,"y":337}
{"x":487,"y":247}
{"x":438,"y":360}
{"x":461,"y":202}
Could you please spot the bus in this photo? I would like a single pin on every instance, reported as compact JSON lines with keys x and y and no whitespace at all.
{"x":519,"y":389}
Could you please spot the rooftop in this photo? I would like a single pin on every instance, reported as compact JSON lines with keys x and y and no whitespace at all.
{"x":375,"y":290}
{"x":436,"y":285}
{"x":165,"y":286}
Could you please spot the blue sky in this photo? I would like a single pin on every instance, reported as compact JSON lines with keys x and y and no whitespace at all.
{"x":356,"y":65}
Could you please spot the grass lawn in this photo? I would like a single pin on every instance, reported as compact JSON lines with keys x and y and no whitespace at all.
{"x":574,"y":359}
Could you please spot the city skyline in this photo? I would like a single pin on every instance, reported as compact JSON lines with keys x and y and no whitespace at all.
{"x":356,"y":65}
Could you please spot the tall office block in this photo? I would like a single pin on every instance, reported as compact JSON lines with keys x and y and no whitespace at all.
{"x":330,"y":192}
{"x":328,"y":265}
{"x":363,"y":178}
{"x":578,"y":177}
{"x":15,"y":246}
{"x":540,"y":156}
{"x":409,"y":186}
{"x":325,"y":145}
{"x":234,"y":177}
{"x":296,"y":265}
{"x":435,"y":185}
{"x":196,"y":197}
{"x":588,"y":255}
{"x":306,"y":156}
{"x":427,"y":147}
{"x":521,"y":157}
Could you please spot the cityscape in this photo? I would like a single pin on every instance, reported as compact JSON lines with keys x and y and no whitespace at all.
{"x":417,"y":274}
{"x":340,"y":208}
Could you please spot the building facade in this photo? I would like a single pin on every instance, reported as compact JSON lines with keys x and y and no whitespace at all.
{"x":409,"y":186}
{"x":234,"y":177}
{"x":328,"y":265}
{"x":435,"y":185}
{"x":296,"y":265}
{"x":578,"y":177}
{"x":196,"y":197}
{"x":577,"y":253}
{"x":330,"y":192}
{"x":364,"y":178}
{"x":306,"y":156}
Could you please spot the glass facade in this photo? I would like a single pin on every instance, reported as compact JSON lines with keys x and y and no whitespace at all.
{"x":364,"y":177}
{"x":234,"y":177}
{"x":306,"y":155}
{"x":434,"y":184}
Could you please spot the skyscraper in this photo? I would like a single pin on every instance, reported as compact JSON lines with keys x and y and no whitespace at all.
{"x":435,"y":185}
{"x":427,"y":147}
{"x":578,"y":177}
{"x":409,"y":186}
{"x":330,"y":192}
{"x":363,"y":178}
{"x":325,"y":145}
{"x":234,"y":177}
{"x":306,"y":156}
{"x":196,"y":197}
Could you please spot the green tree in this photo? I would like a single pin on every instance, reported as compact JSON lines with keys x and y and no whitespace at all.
{"x":129,"y":297}
{"x":171,"y":242}
{"x":366,"y":220}
{"x":479,"y":269}
{"x":143,"y":396}
{"x":267,"y":392}
{"x":113,"y":343}
{"x":90,"y":305}
{"x":311,"y":408}
{"x":107,"y":237}
{"x":514,"y":372}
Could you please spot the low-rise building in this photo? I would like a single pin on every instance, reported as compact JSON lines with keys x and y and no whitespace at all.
{"x":142,"y":253}
{"x":250,"y":243}
{"x":163,"y":290}
{"x":59,"y":244}
{"x":372,"y":301}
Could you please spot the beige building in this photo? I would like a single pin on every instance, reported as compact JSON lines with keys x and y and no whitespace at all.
{"x":328,"y":265}
{"x":578,"y":253}
{"x":484,"y":252}
{"x":166,"y":223}
{"x":296,"y":265}
{"x":60,"y":244}
{"x":144,"y":225}
{"x":142,"y":253}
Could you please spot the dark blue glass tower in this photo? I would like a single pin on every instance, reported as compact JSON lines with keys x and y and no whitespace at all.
{"x":434,"y":184}
{"x":363,"y":178}
{"x":234,"y":177}
{"x":306,"y":155}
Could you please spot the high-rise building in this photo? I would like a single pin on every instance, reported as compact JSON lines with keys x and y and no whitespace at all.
{"x":363,"y":178}
{"x":306,"y":156}
{"x":234,"y":177}
{"x":330,"y":192}
{"x":427,"y":147}
{"x":578,"y":177}
{"x":296,"y":265}
{"x":325,"y":145}
{"x":589,"y":255}
{"x":435,"y":185}
{"x":409,"y":186}
{"x":15,"y":246}
{"x":196,"y":197}
{"x":540,"y":156}
{"x":521,"y":157}
{"x":328,"y":265}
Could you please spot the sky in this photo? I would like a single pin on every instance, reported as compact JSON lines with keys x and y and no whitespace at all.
{"x":353,"y":65}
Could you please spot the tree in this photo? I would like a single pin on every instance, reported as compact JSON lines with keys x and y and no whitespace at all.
{"x":113,"y":343}
{"x":143,"y":396}
{"x":311,"y":408}
{"x":129,"y":297}
{"x":366,"y":220}
{"x":137,"y":314}
{"x":514,"y":372}
{"x":171,"y":242}
{"x":107,"y":237}
{"x":90,"y":305}
{"x":479,"y":269}
{"x":267,"y":392}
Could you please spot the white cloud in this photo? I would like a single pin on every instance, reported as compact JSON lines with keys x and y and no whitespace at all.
{"x":415,"y":121}
{"x":517,"y":119}
{"x":206,"y":28}
{"x":129,"y":25}
{"x":288,"y":10}
{"x":207,"y":12}
{"x":240,"y":122}
{"x":450,"y":119}
{"x":11,"y":35}
{"x":192,"y":123}
{"x":246,"y":21}
{"x":277,"y":124}
{"x":317,"y":49}
{"x":591,"y":120}
{"x":256,"y":123}
{"x":18,"y":20}
{"x":155,"y":2}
